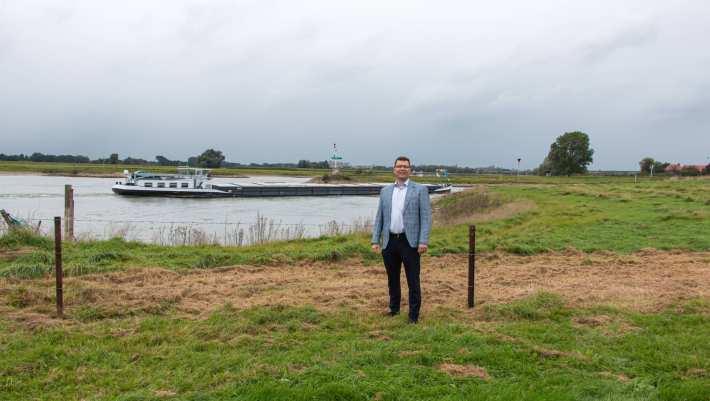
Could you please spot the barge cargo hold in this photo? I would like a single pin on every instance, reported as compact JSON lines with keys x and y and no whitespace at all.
{"x":193,"y":183}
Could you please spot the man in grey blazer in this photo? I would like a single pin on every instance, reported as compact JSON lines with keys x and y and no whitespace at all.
{"x":402,"y":224}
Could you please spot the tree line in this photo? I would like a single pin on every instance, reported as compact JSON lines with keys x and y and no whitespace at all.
{"x":569,"y":154}
{"x":212,"y":158}
{"x":649,"y":166}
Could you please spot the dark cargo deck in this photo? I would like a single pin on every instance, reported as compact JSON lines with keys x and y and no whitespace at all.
{"x":264,"y":190}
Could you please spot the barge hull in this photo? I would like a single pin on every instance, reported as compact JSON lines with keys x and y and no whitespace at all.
{"x":259,"y":191}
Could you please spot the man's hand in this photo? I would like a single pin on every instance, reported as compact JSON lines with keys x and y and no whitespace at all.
{"x":422,"y":248}
{"x":376,"y":248}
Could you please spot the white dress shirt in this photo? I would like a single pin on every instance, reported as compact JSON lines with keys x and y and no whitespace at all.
{"x":397,"y":219}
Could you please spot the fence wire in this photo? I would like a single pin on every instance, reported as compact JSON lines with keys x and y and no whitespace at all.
{"x":191,"y":232}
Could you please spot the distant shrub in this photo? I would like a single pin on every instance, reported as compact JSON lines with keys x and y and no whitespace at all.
{"x":334,"y":178}
{"x":24,"y":237}
{"x":690,"y":171}
{"x":459,"y":206}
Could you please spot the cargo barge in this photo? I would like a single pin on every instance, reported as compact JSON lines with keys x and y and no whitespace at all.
{"x":194,"y":183}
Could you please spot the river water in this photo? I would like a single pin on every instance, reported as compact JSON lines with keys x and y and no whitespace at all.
{"x":99,"y":213}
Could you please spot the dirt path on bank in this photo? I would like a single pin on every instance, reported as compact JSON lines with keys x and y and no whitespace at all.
{"x":646,"y":281}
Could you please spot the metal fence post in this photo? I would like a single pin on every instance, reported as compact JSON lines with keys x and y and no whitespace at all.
{"x":58,"y":265}
{"x":471,"y":264}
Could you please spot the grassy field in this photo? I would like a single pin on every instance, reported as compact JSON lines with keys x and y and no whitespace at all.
{"x":533,"y":219}
{"x":540,"y":346}
{"x":603,"y":217}
{"x":357,"y":175}
{"x":530,"y":349}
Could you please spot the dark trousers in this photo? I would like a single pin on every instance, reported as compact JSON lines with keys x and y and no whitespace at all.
{"x":397,"y":252}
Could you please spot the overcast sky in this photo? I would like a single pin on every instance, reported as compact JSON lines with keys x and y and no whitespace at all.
{"x":473,"y":83}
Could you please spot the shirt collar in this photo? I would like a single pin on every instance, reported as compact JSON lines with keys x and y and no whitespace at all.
{"x":406,"y":184}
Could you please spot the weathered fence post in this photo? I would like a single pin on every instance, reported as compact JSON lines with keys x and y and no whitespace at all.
{"x":8,"y":219}
{"x":68,"y":212}
{"x":471,"y":264}
{"x":58,"y":265}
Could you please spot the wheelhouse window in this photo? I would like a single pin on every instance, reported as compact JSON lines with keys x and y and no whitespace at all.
{"x":148,"y":184}
{"x":173,"y":185}
{"x":161,"y":185}
{"x":183,"y":185}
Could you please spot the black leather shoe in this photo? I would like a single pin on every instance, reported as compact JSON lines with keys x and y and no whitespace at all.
{"x":413,"y":321}
{"x":391,"y":314}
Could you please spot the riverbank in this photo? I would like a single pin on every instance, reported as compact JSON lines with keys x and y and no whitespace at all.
{"x":522,"y":220}
{"x":583,"y":292}
{"x":116,"y":170}
{"x":349,"y":175}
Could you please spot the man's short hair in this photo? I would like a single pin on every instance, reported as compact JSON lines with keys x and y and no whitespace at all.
{"x":403,"y":158}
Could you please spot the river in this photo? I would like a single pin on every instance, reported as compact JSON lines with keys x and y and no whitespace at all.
{"x":100,"y":214}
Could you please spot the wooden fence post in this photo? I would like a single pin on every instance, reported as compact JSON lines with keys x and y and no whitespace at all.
{"x":68,"y":212}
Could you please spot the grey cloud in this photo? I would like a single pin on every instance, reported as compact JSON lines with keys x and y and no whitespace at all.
{"x":281,"y":81}
{"x":202,"y":23}
{"x":625,"y":38}
{"x":694,"y":108}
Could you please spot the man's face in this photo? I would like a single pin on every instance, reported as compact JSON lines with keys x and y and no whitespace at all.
{"x":402,"y":170}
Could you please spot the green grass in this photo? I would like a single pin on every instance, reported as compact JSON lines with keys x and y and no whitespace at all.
{"x":588,"y":217}
{"x":97,"y":256}
{"x":601,"y":217}
{"x":300,"y":353}
{"x":23,"y":237}
{"x":535,"y":348}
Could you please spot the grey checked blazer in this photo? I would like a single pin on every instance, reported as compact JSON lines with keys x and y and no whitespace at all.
{"x":417,"y":215}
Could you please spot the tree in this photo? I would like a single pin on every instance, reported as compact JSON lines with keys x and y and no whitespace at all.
{"x":131,"y":160}
{"x":660,"y":167}
{"x":570,"y":154}
{"x":690,"y":171}
{"x":164,"y":161}
{"x":645,"y":165}
{"x":544,"y":168}
{"x":113,"y":159}
{"x":210,"y":158}
{"x":38,"y":157}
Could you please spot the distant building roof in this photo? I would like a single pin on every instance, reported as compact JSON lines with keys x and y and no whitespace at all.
{"x":676,"y":167}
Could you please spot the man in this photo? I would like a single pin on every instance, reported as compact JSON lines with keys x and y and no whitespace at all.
{"x":403,"y":223}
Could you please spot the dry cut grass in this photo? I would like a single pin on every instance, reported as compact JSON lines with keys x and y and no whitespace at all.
{"x":646,"y":281}
{"x":475,"y":206}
